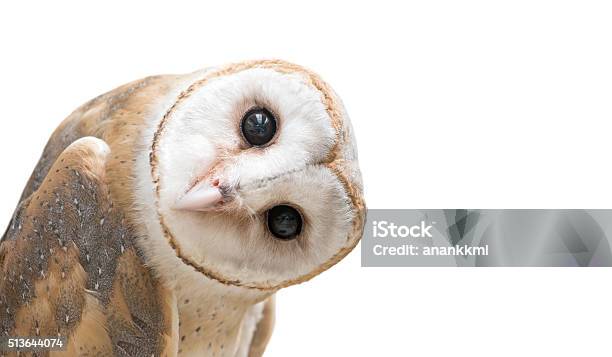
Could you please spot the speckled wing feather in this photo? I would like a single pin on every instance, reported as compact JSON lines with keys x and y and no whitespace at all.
{"x":69,"y":266}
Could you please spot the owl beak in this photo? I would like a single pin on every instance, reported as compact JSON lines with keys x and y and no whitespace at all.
{"x":200,"y":198}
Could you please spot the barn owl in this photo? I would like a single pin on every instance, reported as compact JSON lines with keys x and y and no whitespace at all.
{"x":163,"y":216}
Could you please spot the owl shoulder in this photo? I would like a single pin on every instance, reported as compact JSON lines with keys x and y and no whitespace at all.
{"x":69,"y":266}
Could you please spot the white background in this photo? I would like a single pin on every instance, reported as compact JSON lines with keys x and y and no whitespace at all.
{"x":456,"y":104}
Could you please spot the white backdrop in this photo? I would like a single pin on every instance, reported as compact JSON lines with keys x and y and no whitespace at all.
{"x":471,"y":104}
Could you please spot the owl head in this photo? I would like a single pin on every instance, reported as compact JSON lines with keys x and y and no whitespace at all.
{"x":253,"y":176}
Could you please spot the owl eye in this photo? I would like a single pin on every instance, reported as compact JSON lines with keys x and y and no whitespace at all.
{"x":284,"y":222}
{"x":258,"y":126}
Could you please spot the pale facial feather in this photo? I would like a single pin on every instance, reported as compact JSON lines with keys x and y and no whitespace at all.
{"x":203,"y":139}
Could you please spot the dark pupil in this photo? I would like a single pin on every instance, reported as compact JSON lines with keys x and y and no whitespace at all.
{"x":284,"y":222}
{"x":258,"y":127}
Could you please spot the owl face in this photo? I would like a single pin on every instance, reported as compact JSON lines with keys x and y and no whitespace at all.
{"x":255,"y":177}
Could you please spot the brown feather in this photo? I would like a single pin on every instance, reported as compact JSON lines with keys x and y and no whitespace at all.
{"x":67,"y":253}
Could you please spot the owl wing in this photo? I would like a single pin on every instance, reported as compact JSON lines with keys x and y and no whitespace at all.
{"x":69,"y":266}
